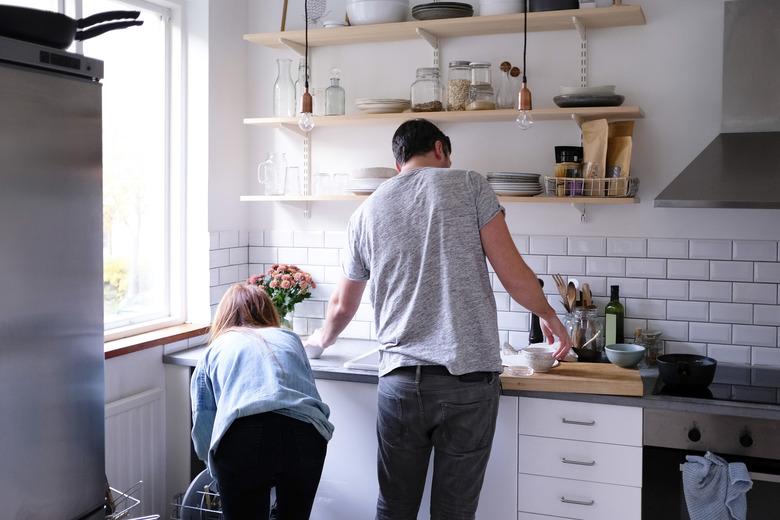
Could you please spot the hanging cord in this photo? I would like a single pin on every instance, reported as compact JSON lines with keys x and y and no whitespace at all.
{"x":306,"y":52}
{"x":525,"y":37}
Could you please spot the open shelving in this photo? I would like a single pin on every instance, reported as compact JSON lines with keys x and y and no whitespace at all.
{"x":615,"y":16}
{"x":538,"y":199}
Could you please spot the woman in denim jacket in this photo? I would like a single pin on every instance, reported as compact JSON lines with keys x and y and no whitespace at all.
{"x":258,"y":420}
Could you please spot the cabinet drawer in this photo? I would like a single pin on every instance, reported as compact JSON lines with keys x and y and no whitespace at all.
{"x":578,"y":499}
{"x":591,"y":461}
{"x":581,"y":421}
{"x":531,"y":516}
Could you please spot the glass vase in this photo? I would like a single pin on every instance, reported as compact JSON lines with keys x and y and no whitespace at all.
{"x":287,"y":321}
{"x":284,"y":90}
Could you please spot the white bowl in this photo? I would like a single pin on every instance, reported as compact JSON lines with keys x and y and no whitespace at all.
{"x":373,"y":173}
{"x":313,"y":352}
{"x":540,"y":359}
{"x":495,"y":7}
{"x":365,"y":12}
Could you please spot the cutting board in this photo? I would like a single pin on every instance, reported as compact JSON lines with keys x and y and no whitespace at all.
{"x":580,"y":378}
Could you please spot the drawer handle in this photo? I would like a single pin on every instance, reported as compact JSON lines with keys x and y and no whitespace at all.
{"x":578,"y":462}
{"x":577,"y":502}
{"x":579,"y":423}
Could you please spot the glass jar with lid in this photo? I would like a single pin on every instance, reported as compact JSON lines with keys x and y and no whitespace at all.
{"x":651,"y":340}
{"x":481,"y":95}
{"x":426,"y":91}
{"x":584,"y":325}
{"x":458,"y":82}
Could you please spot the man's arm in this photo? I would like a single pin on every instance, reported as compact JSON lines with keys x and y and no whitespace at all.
{"x":342,"y":307}
{"x":518,"y":279}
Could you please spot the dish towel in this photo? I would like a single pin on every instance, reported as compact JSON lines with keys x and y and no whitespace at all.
{"x":715,"y":489}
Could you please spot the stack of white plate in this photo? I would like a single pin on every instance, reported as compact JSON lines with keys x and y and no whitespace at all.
{"x":366,"y":180}
{"x":382,"y":105}
{"x":515,"y":183}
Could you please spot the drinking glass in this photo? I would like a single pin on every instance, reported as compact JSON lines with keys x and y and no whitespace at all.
{"x":323,"y":184}
{"x":292,"y":181}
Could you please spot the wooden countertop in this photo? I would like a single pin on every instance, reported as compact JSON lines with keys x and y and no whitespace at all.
{"x":580,"y":378}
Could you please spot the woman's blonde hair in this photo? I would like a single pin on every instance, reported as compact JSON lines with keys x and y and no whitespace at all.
{"x":244,"y":305}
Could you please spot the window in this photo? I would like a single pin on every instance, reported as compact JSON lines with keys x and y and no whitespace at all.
{"x":142,"y":182}
{"x":141,"y":287}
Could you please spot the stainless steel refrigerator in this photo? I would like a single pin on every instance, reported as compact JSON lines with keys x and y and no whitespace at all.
{"x":51,"y":303}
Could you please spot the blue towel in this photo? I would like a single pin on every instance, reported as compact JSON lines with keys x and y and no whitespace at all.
{"x":715,"y":489}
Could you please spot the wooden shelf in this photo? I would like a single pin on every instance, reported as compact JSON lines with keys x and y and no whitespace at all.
{"x":469,"y":116}
{"x":615,"y":16}
{"x":539,"y":199}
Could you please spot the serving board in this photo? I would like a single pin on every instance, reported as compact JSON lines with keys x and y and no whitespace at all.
{"x":580,"y":378}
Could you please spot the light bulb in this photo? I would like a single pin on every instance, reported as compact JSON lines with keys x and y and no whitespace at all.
{"x":306,"y":121}
{"x":525,"y":120}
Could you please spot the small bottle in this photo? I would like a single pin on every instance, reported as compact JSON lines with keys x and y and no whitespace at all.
{"x":614,"y":317}
{"x":334,"y":96}
{"x":536,"y":335}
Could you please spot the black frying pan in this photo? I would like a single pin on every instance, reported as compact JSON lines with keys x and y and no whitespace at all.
{"x":57,"y":30}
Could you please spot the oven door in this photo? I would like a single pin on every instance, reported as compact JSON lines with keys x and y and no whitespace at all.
{"x":662,"y":488}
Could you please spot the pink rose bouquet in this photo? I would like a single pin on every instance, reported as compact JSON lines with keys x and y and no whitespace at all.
{"x":287,"y":285}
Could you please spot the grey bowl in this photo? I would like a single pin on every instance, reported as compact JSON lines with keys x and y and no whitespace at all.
{"x":625,"y":355}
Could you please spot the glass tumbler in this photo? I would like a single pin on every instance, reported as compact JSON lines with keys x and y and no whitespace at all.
{"x":293,"y":183}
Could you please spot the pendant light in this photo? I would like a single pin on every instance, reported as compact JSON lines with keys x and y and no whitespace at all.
{"x":306,"y":119}
{"x":525,"y":120}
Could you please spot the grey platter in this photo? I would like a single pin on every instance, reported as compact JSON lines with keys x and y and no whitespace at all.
{"x":585,"y":100}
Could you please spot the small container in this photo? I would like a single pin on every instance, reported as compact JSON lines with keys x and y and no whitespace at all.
{"x":426,"y":91}
{"x":584,"y":325}
{"x":458,"y":82}
{"x":568,"y":167}
{"x":481,"y":73}
{"x":651,"y":340}
{"x":481,"y":97}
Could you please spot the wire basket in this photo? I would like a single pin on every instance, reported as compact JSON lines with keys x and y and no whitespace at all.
{"x":591,"y":187}
{"x":120,"y":503}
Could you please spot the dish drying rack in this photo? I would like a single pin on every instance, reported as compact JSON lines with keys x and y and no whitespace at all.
{"x":591,"y":187}
{"x":120,"y":503}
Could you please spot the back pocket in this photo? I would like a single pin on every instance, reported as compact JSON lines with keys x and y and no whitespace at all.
{"x":467,"y":427}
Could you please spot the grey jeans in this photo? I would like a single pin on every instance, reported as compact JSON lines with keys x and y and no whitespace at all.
{"x":456,"y":417}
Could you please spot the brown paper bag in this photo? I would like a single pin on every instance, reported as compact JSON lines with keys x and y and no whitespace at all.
{"x":619,"y":154}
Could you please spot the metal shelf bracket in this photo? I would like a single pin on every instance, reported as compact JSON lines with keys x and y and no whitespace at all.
{"x":293,"y":46}
{"x":581,"y":209}
{"x":433,"y":41}
{"x":582,"y":30}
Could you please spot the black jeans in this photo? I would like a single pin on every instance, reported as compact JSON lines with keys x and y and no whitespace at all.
{"x":268,"y":450}
{"x":423,"y":409}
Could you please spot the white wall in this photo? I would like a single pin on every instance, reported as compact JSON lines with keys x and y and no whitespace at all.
{"x":671,"y":67}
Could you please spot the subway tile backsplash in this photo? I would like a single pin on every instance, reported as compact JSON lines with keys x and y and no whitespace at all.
{"x":714,"y":297}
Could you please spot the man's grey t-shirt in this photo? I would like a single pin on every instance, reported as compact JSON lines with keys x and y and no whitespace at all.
{"x":417,"y":241}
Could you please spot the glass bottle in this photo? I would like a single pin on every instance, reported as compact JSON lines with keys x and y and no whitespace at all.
{"x":284,"y":90}
{"x":505,"y":95}
{"x":335,"y":96}
{"x":536,"y":335}
{"x":300,"y":85}
{"x":426,"y":91}
{"x":458,"y":82}
{"x":614,"y":317}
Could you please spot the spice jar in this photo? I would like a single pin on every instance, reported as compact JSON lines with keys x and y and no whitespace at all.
{"x":458,"y":82}
{"x":481,"y":96}
{"x":426,"y":91}
{"x":651,"y":340}
{"x":568,"y":166}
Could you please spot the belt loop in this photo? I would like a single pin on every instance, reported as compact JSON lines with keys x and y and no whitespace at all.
{"x":418,"y":374}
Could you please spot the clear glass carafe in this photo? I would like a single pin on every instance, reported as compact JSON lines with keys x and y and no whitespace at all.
{"x":583,"y":326}
{"x":335,"y":96}
{"x":271,"y":173}
{"x":284,"y":90}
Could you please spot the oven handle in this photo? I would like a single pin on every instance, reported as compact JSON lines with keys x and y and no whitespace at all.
{"x":765,"y":477}
{"x":760,"y":477}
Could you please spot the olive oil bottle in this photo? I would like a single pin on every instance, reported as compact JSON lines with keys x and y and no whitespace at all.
{"x":614,"y":317}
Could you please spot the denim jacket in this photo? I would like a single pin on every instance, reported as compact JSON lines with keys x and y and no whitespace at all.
{"x":248,"y":371}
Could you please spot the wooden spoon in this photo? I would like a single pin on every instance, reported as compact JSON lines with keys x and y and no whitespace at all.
{"x":571,"y":295}
{"x":587,"y":297}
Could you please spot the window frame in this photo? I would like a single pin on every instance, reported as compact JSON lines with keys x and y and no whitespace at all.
{"x":172,"y":13}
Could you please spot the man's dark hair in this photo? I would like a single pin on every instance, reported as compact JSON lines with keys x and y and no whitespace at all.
{"x":417,"y":137}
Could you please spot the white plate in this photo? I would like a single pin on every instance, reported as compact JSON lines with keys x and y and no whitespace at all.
{"x":386,"y":109}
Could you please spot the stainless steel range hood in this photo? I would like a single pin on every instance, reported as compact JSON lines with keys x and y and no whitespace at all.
{"x":740,"y":167}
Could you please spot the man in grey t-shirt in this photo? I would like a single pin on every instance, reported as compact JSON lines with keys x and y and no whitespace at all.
{"x":420,"y":241}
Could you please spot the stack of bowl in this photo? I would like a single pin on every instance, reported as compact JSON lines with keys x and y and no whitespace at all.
{"x":364,"y":181}
{"x":364,"y":12}
{"x":495,"y":7}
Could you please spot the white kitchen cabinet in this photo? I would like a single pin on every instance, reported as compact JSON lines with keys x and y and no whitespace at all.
{"x":348,"y":488}
{"x":579,"y":460}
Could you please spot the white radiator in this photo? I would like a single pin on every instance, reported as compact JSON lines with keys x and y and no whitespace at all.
{"x":135,"y":448}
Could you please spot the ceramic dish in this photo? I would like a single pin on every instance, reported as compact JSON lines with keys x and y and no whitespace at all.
{"x":440,"y":10}
{"x":579,"y":100}
{"x":601,"y":90}
{"x":625,"y":355}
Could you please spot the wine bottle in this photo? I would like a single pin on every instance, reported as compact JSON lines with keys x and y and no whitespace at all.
{"x":614,"y":317}
{"x":536,"y":335}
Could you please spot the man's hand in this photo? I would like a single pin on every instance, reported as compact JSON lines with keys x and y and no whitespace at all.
{"x":315,"y":340}
{"x":553,"y":328}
